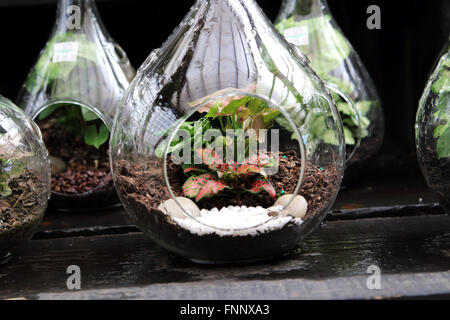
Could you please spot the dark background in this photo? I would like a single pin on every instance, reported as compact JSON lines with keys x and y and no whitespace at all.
{"x":399,"y":57}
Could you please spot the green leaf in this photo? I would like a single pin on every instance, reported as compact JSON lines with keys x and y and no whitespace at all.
{"x":329,"y":137}
{"x":5,"y":190}
{"x":96,"y":138}
{"x":256,"y":106}
{"x":269,"y":116}
{"x":88,"y":115}
{"x":344,"y":85}
{"x":346,"y":109}
{"x":317,"y":125}
{"x":444,"y":106}
{"x":443,"y":145}
{"x":365,"y":106}
{"x":349,"y":140}
{"x":439,"y":130}
{"x":47,"y":112}
{"x":331,"y":47}
{"x":234,"y":105}
{"x":214,"y":110}
{"x":46,"y":70}
{"x":443,"y":83}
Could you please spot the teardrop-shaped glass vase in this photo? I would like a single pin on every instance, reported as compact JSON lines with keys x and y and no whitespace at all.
{"x":310,"y":26}
{"x":227,"y":146}
{"x":73,"y":92}
{"x":24,"y":178}
{"x":433,"y":131}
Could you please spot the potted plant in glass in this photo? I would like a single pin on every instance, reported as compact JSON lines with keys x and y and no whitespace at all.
{"x":227,"y":146}
{"x":24,"y":178}
{"x":310,"y":27}
{"x":433,"y":130}
{"x":73,"y":92}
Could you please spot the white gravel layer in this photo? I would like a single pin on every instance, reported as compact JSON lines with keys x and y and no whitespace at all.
{"x":236,"y":221}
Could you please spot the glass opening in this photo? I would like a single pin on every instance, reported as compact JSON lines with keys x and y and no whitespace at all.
{"x":229,"y":150}
{"x":77,"y":137}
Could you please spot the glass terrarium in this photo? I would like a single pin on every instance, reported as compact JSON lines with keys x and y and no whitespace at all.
{"x":24,"y":178}
{"x":72,"y":93}
{"x":433,"y":131}
{"x":310,"y":26}
{"x":227,"y":146}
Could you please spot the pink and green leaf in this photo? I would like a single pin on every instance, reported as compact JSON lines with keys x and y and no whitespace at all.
{"x":210,"y":189}
{"x":209,"y":158}
{"x":194,"y":185}
{"x":249,"y":170}
{"x":261,"y":160}
{"x":263,"y":185}
{"x":190,"y":169}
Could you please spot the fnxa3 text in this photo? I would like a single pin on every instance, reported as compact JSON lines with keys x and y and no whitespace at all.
{"x":247,"y":310}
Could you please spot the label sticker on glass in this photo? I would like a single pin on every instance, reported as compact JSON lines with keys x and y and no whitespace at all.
{"x":298,"y":36}
{"x":65,"y":52}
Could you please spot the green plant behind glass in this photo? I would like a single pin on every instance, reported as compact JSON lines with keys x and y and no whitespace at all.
{"x":441,"y":88}
{"x":81,"y":122}
{"x":244,"y":116}
{"x":11,"y":164}
{"x":332,"y":50}
{"x":45,"y":69}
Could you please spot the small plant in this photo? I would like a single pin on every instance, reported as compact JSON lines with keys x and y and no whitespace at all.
{"x":11,"y":164}
{"x":441,"y":88}
{"x":81,"y":122}
{"x":244,"y":116}
{"x":214,"y":176}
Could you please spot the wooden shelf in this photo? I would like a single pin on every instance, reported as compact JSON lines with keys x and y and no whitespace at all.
{"x":391,"y":222}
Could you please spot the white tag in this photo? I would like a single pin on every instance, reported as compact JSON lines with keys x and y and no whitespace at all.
{"x":65,"y":52}
{"x":298,"y":36}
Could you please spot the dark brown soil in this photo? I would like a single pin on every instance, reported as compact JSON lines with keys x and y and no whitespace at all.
{"x":21,"y":212}
{"x":317,"y":188}
{"x":86,"y":180}
{"x":143,"y":189}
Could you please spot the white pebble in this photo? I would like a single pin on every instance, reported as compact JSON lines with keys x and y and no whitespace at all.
{"x":298,"y":207}
{"x":236,"y":221}
{"x":171,"y":208}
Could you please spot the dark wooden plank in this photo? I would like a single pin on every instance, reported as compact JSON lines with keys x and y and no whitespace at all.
{"x":385,"y":192}
{"x":419,"y":286}
{"x":64,"y":224}
{"x":412,"y":247}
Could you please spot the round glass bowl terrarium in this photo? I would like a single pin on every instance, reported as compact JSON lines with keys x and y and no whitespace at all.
{"x":228,"y":147}
{"x":24,"y":178}
{"x":73,"y":92}
{"x":433,"y":131}
{"x":310,"y":26}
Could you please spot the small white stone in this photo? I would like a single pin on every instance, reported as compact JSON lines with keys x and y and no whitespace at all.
{"x":171,"y":208}
{"x":297,"y":208}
